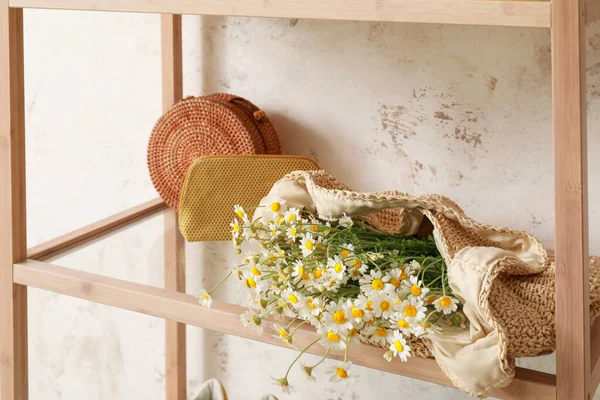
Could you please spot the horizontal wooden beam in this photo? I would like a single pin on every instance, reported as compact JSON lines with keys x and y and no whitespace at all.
{"x":95,"y":230}
{"x":225,"y":318}
{"x":467,"y":12}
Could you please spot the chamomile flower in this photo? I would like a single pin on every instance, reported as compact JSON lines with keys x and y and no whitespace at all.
{"x":307,"y":244}
{"x":424,"y":328}
{"x":414,"y":288}
{"x":375,"y":283}
{"x":253,"y":320}
{"x":341,"y":372}
{"x":377,"y":334}
{"x":239,"y":211}
{"x":336,"y":267}
{"x":331,"y":340}
{"x":274,"y":230}
{"x":398,"y":346}
{"x":388,"y":356}
{"x":401,"y":322}
{"x":347,"y":250}
{"x":310,"y":306}
{"x":398,"y":275}
{"x":383,"y":305}
{"x":277,"y":207}
{"x":298,"y":269}
{"x":414,"y":265}
{"x":346,"y":221}
{"x":291,"y":215}
{"x":291,"y":296}
{"x":205,"y":299}
{"x":284,"y":384}
{"x":364,"y":303}
{"x":283,"y":334}
{"x":253,"y":283}
{"x":413,"y":309}
{"x":358,"y":310}
{"x":292,"y":233}
{"x":308,"y":372}
{"x":446,"y":304}
{"x":336,"y":317}
{"x":235,"y":228}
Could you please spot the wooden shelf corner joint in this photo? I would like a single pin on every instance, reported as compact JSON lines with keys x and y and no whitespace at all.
{"x":174,"y":244}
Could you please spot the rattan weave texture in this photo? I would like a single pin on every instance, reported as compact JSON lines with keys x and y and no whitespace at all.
{"x":218,"y":124}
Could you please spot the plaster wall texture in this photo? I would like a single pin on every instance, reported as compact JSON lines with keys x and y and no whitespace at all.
{"x":461,"y":111}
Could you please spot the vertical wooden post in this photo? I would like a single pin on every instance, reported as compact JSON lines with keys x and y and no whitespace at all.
{"x":13,"y":234}
{"x":175,"y":339}
{"x":570,"y":191}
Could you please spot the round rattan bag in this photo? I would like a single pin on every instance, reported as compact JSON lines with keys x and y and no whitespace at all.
{"x":219,"y":124}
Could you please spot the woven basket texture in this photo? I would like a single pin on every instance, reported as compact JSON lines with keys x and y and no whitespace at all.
{"x":520,"y":306}
{"x":218,"y":124}
{"x":215,"y":184}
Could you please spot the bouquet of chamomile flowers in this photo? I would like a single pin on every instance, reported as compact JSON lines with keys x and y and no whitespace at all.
{"x":350,"y":282}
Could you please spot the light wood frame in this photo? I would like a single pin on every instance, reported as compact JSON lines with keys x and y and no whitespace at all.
{"x":578,"y":345}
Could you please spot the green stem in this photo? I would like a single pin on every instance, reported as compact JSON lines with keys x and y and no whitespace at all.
{"x":300,"y":355}
{"x":322,"y":359}
{"x":220,"y":283}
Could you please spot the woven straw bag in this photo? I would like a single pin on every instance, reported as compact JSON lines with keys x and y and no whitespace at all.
{"x":219,"y":124}
{"x":504,"y":278}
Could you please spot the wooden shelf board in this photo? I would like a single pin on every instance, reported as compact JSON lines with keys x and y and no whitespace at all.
{"x":92,"y":231}
{"x":467,"y":12}
{"x":225,"y":318}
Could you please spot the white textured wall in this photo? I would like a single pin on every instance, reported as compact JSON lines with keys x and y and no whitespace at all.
{"x":461,"y":111}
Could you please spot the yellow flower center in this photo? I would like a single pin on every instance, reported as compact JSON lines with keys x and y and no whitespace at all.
{"x":339,"y":317}
{"x":403,"y":324}
{"x":446,"y":302}
{"x":299,"y":271}
{"x":384,"y":305}
{"x":272,"y":257}
{"x":236,"y":228}
{"x":338,"y":267}
{"x":291,"y":218}
{"x":410,"y":311}
{"x":255,"y":271}
{"x":206,"y":296}
{"x":279,"y":219}
{"x":398,"y":346}
{"x":293,"y":231}
{"x":356,"y":264}
{"x":380,"y":332}
{"x":317,"y":273}
{"x":368,"y":306}
{"x":377,"y":284}
{"x":395,"y":282}
{"x":275,"y":206}
{"x":357,"y":312}
{"x":311,"y":305}
{"x":342,"y":373}
{"x":415,"y":290}
{"x":314,"y":228}
{"x":283,"y":333}
{"x":292,"y":298}
{"x":240,"y":213}
{"x":250,"y":283}
{"x":345,"y":253}
{"x":355,"y":272}
{"x":333,"y":337}
{"x":309,"y":245}
{"x":305,"y":277}
{"x":402,"y":275}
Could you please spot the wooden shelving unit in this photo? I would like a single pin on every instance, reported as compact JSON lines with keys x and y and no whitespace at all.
{"x":578,"y":345}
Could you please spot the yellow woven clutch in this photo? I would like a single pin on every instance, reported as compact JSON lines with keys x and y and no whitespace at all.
{"x":214,"y":184}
